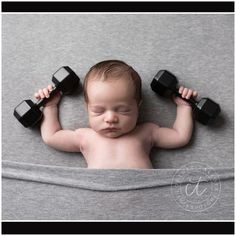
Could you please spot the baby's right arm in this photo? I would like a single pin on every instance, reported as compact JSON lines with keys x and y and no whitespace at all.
{"x":51,"y":130}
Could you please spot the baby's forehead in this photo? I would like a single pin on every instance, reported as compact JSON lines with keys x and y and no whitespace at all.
{"x":112,"y":91}
{"x":109,"y":79}
{"x":113,"y":82}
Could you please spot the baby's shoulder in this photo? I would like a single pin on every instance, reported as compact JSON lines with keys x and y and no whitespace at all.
{"x":84,"y":131}
{"x":146,"y":128}
{"x":83,"y":135}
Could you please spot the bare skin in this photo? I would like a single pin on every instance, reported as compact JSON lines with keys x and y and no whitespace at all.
{"x":114,"y":140}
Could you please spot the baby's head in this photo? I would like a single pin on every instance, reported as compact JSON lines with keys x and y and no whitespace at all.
{"x":112,"y":91}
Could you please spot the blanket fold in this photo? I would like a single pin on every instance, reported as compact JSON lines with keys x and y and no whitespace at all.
{"x":43,"y":192}
{"x":99,"y":179}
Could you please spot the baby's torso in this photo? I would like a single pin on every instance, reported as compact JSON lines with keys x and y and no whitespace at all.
{"x":130,"y":151}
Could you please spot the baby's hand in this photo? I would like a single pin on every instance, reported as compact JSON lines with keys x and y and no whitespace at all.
{"x":186,"y":93}
{"x":45,"y":93}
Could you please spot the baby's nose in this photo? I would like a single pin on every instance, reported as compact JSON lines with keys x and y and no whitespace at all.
{"x":111,"y":117}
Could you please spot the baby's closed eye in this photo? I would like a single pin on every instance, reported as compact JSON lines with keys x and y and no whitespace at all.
{"x":98,"y":111}
{"x":123,"y":110}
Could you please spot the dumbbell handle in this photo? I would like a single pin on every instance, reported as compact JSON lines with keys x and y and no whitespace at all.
{"x":43,"y":101}
{"x":190,"y":100}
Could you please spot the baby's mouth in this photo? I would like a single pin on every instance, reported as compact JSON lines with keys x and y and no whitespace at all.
{"x":111,"y":129}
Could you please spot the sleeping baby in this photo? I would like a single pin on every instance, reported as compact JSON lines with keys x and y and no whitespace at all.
{"x":114,"y":140}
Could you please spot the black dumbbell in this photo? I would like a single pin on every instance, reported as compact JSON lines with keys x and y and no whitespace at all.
{"x":205,"y":110}
{"x":28,"y":113}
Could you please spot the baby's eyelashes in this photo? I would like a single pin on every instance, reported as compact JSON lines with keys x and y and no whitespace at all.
{"x":98,"y":110}
{"x":118,"y":111}
{"x":123,"y":111}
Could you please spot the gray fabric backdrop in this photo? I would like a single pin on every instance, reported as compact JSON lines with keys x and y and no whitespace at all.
{"x":39,"y":182}
{"x":197,"y":48}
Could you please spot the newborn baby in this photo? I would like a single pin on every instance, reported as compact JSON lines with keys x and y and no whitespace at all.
{"x":112,"y":91}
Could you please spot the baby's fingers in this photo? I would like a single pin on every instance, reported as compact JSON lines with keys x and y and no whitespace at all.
{"x":42,"y":93}
{"x":189,"y":94}
{"x":46,"y":92}
{"x":39,"y":94}
{"x":183,"y":91}
{"x":50,"y":88}
{"x":195,"y":94}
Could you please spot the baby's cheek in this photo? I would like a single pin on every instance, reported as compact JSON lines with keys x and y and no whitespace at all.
{"x":130,"y":123}
{"x":93,"y":122}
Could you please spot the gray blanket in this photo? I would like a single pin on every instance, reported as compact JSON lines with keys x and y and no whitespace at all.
{"x":40,"y":192}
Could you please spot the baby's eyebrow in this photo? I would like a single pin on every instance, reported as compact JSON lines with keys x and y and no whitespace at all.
{"x":102,"y":107}
{"x":97,"y":108}
{"x":122,"y":106}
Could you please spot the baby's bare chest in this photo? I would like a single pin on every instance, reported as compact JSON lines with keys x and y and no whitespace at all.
{"x":125,"y":151}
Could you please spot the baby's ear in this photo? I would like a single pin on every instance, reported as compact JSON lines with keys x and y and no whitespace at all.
{"x":86,"y":105}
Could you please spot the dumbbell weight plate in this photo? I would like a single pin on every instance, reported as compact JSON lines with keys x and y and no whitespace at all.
{"x":206,"y":111}
{"x":164,"y":82}
{"x":27,"y":113}
{"x":65,"y":80}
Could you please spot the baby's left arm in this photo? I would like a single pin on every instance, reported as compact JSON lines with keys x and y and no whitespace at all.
{"x":181,"y":132}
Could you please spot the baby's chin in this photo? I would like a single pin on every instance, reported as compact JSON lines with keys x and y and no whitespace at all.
{"x":115,"y":134}
{"x":112,"y":135}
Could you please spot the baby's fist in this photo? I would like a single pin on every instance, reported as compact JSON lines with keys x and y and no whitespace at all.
{"x":185,"y":93}
{"x":45,"y":93}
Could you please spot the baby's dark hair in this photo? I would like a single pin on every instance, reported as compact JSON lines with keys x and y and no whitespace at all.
{"x":111,"y":69}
